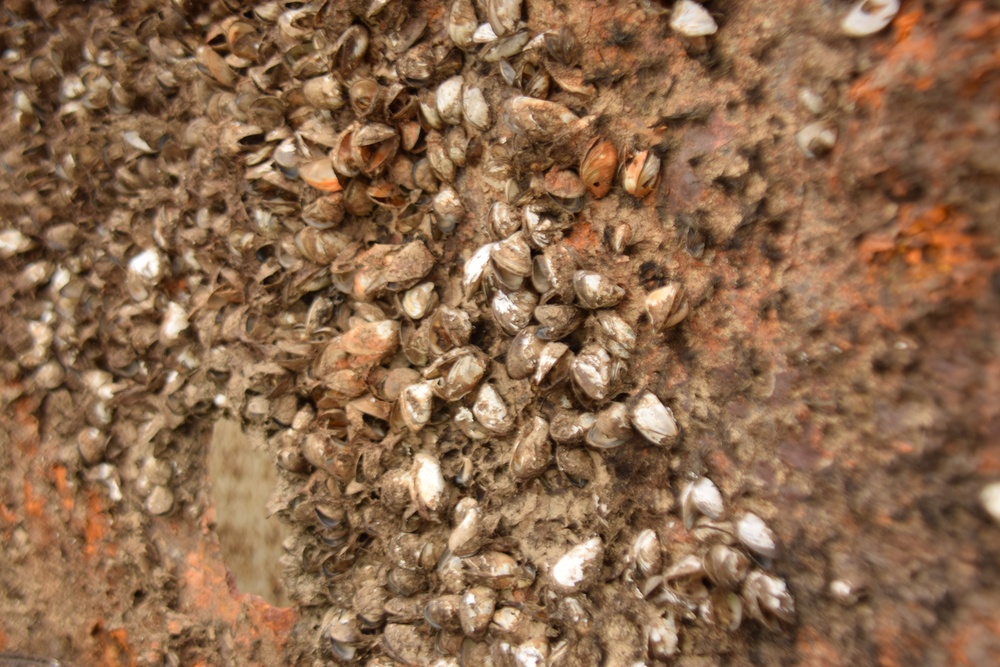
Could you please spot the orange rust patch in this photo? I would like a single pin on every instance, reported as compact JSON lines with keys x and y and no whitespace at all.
{"x":912,"y":46}
{"x":902,"y":447}
{"x":59,"y":475}
{"x":33,"y":505}
{"x":278,"y":619}
{"x":96,"y":526}
{"x":7,"y":515}
{"x":113,"y":646}
{"x":206,"y":588}
{"x":980,"y":26}
{"x":583,"y":237}
{"x":815,"y":651}
{"x":988,"y":461}
{"x":930,"y":250}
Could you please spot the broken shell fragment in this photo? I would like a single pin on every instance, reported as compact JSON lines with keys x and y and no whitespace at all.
{"x":754,"y":534}
{"x":504,"y":15}
{"x":523,"y":354}
{"x":372,"y":338}
{"x":666,"y":306}
{"x":414,"y":405}
{"x":476,"y":109}
{"x":448,"y":208}
{"x":767,"y":599}
{"x":467,"y":535}
{"x":591,"y":372}
{"x":989,"y":498}
{"x":868,"y":17}
{"x":160,"y":500}
{"x":532,"y":451}
{"x":419,"y":301}
{"x":461,"y":23}
{"x":554,"y":362}
{"x":692,"y":20}
{"x":145,"y":271}
{"x":595,"y":291}
{"x":491,"y":410}
{"x":539,"y":120}
{"x":570,"y":427}
{"x":475,"y":266}
{"x":646,"y":553}
{"x":448,"y":100}
{"x":617,"y":335}
{"x":700,"y":497}
{"x":653,"y":420}
{"x":557,"y":321}
{"x":661,"y":638}
{"x":13,"y":242}
{"x":513,"y":311}
{"x":91,"y":444}
{"x":429,"y":489}
{"x":578,"y":569}
{"x":320,"y":175}
{"x":478,"y":604}
{"x":324,"y":92}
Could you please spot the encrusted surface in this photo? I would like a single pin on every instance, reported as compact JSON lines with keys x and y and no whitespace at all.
{"x":835,"y":375}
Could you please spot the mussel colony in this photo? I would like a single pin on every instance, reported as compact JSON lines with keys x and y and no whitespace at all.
{"x":426,"y":371}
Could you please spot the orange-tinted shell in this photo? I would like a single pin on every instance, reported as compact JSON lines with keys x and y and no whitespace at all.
{"x":598,"y":167}
{"x":320,"y":175}
{"x":642,"y":174}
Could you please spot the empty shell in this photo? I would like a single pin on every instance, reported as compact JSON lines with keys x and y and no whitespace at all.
{"x":867,"y":17}
{"x":666,"y":306}
{"x":523,"y":354}
{"x":598,"y":167}
{"x":591,"y":372}
{"x":611,"y":428}
{"x":476,"y":109}
{"x":692,"y":20}
{"x":595,"y":291}
{"x":652,"y":419}
{"x":641,"y":174}
{"x":532,"y":450}
{"x":700,"y":497}
{"x":725,"y":566}
{"x":767,"y":599}
{"x":448,"y":100}
{"x":578,"y":569}
{"x":429,"y":489}
{"x":754,"y":534}
{"x":491,"y":410}
{"x":646,"y":553}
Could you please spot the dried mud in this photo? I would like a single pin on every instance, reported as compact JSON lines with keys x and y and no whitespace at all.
{"x":836,"y":375}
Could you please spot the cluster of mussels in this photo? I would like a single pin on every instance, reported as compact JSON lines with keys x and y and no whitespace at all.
{"x":413,"y":388}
